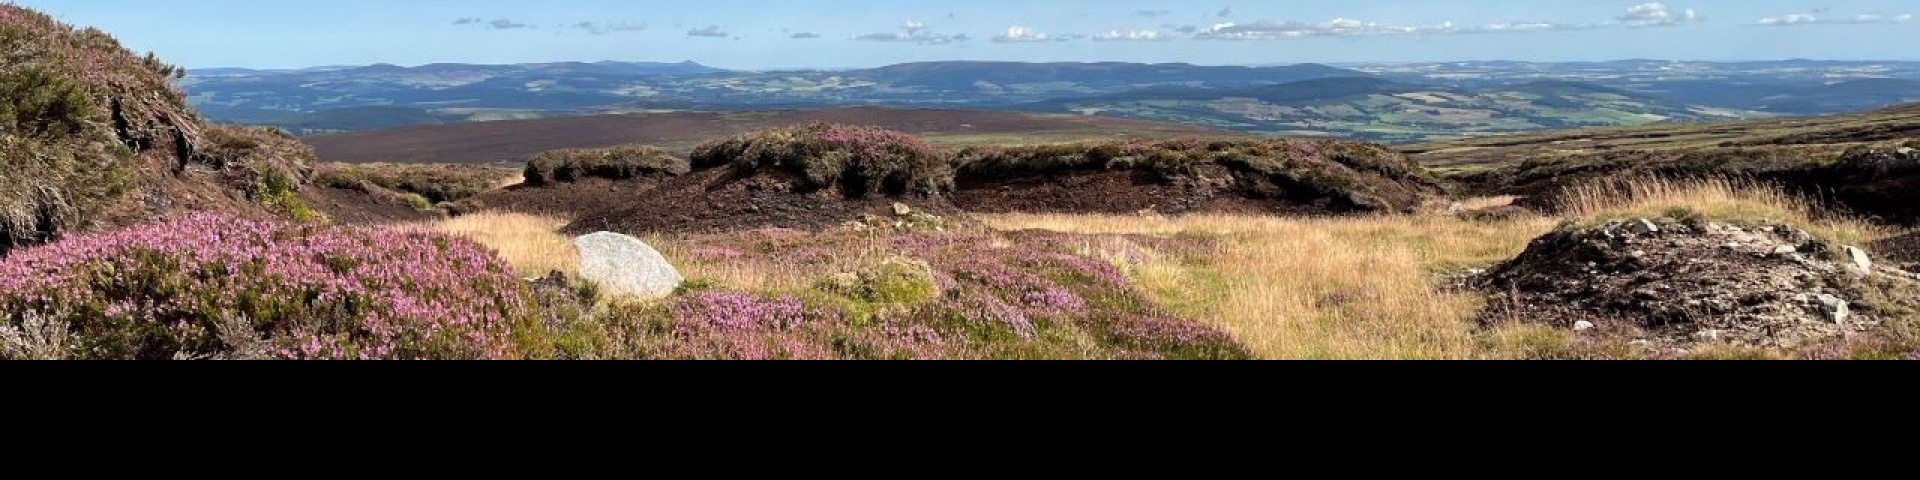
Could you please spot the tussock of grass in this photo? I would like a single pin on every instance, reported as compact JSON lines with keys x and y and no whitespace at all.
{"x":1332,"y":288}
{"x":531,"y":244}
{"x":1712,"y":199}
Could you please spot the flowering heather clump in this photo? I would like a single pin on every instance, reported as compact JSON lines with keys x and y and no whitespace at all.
{"x":733,"y":312}
{"x":82,"y":119}
{"x":859,"y":161}
{"x":725,"y":325}
{"x":200,"y":286}
{"x":934,"y":296}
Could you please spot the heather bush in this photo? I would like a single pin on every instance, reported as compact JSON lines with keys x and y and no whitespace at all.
{"x":934,"y":296}
{"x":209,"y":286}
{"x":82,"y":120}
{"x":859,"y":161}
{"x":425,"y":184}
{"x":617,"y":163}
{"x":1361,"y":175}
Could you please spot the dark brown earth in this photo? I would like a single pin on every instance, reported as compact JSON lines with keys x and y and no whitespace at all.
{"x":519,"y":140}
{"x":1901,"y":250}
{"x":734,"y":198}
{"x":1213,"y":189}
{"x":355,"y":207}
{"x":565,"y":200}
{"x":1688,"y":285}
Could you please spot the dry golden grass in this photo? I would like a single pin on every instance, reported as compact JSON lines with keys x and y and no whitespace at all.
{"x":1715,"y":199}
{"x":531,"y":243}
{"x":534,"y":246}
{"x":1290,"y":288}
{"x":1369,"y":287}
{"x":757,"y":273}
{"x":1332,"y":288}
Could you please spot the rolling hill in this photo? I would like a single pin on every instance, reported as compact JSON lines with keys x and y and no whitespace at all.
{"x":1384,"y":110}
{"x":515,"y":141}
{"x":1866,"y":164}
{"x":331,"y":100}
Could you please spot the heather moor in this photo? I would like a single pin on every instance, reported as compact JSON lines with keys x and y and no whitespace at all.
{"x":946,"y":180}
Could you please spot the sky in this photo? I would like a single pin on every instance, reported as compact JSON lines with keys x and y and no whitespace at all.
{"x":782,"y":34}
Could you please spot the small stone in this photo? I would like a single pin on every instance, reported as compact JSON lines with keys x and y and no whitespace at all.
{"x":902,"y":209}
{"x":1643,"y":227}
{"x":1641,"y":344}
{"x":1584,"y":326}
{"x":1785,"y":250}
{"x":1906,"y":151}
{"x":1859,"y":262}
{"x":1836,"y":309}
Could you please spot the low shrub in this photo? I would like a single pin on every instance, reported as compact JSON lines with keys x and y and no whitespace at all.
{"x":617,"y":163}
{"x":1362,"y":176}
{"x":421,"y":186}
{"x":859,"y":161}
{"x":934,"y":296}
{"x":209,"y":286}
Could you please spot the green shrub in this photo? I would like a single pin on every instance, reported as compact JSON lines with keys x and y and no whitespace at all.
{"x":617,"y":163}
{"x":858,"y":161}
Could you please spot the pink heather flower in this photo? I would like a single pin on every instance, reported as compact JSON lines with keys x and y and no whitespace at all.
{"x":388,"y":293}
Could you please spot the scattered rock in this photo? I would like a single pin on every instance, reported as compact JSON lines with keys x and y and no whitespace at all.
{"x":1643,"y":227}
{"x":1836,"y":309}
{"x":624,"y":266}
{"x":1685,"y":287}
{"x":902,"y":209}
{"x":1858,"y":261}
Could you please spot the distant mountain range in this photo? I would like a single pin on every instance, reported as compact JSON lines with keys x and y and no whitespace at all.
{"x":1398,"y":102}
{"x":1385,"y":110}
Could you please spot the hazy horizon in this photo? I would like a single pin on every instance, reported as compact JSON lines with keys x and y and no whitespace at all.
{"x":846,"y":34}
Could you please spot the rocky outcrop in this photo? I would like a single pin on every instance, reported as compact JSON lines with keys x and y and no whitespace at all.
{"x":1681,"y":285}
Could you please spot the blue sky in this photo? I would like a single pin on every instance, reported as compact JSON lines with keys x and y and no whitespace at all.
{"x":858,"y":33}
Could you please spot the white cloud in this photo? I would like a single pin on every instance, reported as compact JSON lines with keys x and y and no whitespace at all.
{"x":1822,"y":18}
{"x":1019,"y":34}
{"x":614,"y":27}
{"x":1658,"y":14}
{"x":913,"y":32}
{"x":1153,"y":13}
{"x":505,"y":24}
{"x":1339,"y":27}
{"x":713,"y":31}
{"x":1132,"y":36}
